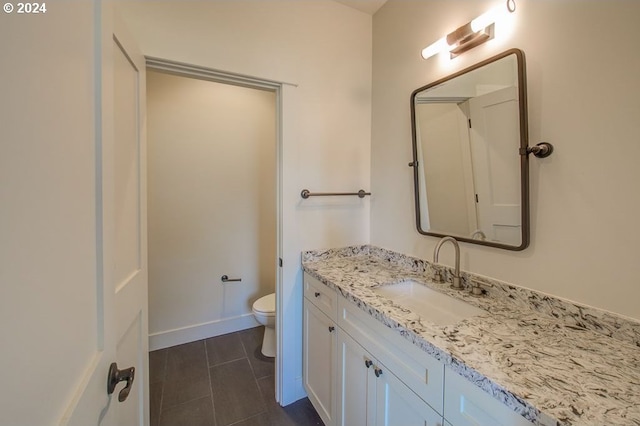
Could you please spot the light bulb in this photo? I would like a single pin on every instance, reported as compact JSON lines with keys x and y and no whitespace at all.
{"x":486,"y":19}
{"x":435,"y":48}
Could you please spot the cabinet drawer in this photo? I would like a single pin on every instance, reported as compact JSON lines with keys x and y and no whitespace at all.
{"x":465,"y":404}
{"x":421,"y":372}
{"x":322,"y":296}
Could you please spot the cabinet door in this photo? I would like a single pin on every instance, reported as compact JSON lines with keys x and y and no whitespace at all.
{"x":465,"y":404}
{"x":319,"y":361}
{"x":356,"y":383}
{"x":396,"y":404}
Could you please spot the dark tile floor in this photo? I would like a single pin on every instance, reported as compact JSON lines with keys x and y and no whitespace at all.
{"x":220,"y":381}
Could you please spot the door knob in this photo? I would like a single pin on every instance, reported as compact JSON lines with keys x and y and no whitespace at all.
{"x":116,"y":376}
{"x":368,"y":363}
{"x":378,"y":371}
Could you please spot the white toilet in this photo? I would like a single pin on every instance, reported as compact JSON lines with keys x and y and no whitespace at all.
{"x":264,"y":309}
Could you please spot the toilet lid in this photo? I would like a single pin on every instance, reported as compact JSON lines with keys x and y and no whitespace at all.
{"x":266,"y":304}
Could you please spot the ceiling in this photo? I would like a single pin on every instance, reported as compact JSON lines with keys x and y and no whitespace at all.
{"x":366,"y":6}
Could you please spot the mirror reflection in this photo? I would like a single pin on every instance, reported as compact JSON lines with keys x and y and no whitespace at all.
{"x":470,"y":178}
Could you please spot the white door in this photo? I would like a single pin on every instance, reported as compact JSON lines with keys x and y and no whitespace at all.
{"x":495,"y":138}
{"x":124,"y":195}
{"x":63,"y":222}
{"x":121,"y":236}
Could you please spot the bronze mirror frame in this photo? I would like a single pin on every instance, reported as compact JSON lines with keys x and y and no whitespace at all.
{"x":522,"y":150}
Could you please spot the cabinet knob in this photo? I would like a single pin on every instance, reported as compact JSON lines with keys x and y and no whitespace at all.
{"x":317,"y":294}
{"x":368,"y":363}
{"x":331,"y":328}
{"x":378,"y":372}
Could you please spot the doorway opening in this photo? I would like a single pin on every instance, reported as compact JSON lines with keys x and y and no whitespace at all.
{"x":214,"y":165}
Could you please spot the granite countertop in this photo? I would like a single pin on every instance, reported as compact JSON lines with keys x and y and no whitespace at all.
{"x":552,"y":361}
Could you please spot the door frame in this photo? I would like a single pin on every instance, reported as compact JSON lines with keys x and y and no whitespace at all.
{"x":203,"y":73}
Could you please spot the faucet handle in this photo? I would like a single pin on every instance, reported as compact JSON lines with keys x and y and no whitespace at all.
{"x":477,"y":287}
{"x":437,"y":276}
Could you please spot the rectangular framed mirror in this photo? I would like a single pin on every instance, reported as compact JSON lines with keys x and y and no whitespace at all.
{"x":471,"y":175}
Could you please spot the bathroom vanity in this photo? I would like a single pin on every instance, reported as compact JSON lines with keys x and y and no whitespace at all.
{"x":369,"y":359}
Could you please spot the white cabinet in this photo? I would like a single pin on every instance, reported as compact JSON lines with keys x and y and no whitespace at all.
{"x":356,"y":384}
{"x":319,"y":349}
{"x":325,"y":298}
{"x":358,"y":372}
{"x":465,"y":404}
{"x":371,"y":395}
{"x":421,"y":372}
{"x":396,"y":404}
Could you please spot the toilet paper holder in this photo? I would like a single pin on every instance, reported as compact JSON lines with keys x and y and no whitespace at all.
{"x":226,"y":279}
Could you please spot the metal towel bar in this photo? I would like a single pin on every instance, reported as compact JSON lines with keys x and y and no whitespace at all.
{"x":306,"y":194}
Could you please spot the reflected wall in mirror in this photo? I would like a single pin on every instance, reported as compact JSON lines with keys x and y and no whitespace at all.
{"x":470,"y":170}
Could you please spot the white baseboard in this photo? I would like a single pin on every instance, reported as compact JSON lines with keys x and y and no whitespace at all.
{"x":191,"y":333}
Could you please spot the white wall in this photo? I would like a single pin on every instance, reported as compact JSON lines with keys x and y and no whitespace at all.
{"x":48,"y":212}
{"x":442,"y":159}
{"x":211,"y":206}
{"x":322,"y":47}
{"x":584,"y":97}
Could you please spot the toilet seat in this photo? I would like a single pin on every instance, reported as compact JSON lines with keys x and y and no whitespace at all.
{"x":266,"y":305}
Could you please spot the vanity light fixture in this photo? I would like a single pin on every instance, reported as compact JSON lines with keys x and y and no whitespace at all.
{"x":471,"y":34}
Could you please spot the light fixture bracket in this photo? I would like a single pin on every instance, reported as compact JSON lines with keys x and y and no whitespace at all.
{"x":464,"y":38}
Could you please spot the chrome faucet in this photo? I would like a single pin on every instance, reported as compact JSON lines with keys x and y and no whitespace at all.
{"x":456,"y":274}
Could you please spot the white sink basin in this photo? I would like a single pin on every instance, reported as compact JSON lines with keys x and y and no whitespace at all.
{"x":429,"y":304}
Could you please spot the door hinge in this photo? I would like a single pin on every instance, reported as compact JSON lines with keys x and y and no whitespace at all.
{"x":476,"y":198}
{"x":280,"y":261}
{"x":469,"y":123}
